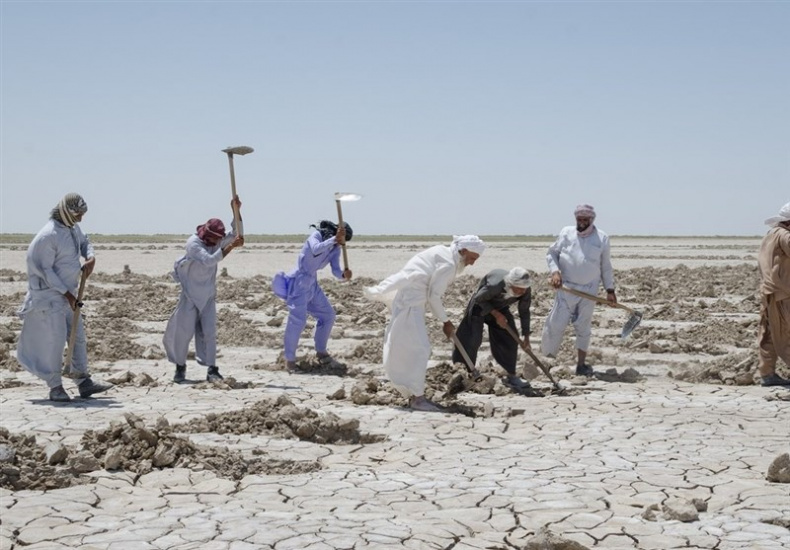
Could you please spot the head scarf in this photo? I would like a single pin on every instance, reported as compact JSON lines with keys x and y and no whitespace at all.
{"x":67,"y":210}
{"x":472,"y":243}
{"x":517,"y":277}
{"x":784,"y":216}
{"x":328,"y":229}
{"x":585,"y":211}
{"x":212,"y":228}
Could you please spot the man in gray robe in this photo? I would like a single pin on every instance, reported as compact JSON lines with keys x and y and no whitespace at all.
{"x":53,"y":273}
{"x":196,"y":312}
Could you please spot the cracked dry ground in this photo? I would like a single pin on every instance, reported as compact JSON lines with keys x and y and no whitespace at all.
{"x":671,"y":446}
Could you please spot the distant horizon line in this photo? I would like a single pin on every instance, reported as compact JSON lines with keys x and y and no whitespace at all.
{"x":20,"y":238}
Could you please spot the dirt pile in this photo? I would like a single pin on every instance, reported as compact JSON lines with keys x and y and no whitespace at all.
{"x":24,"y":464}
{"x":138,"y":448}
{"x":281,"y":418}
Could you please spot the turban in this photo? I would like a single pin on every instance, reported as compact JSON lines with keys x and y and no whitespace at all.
{"x":470,"y":242}
{"x":67,"y":210}
{"x":584,"y":210}
{"x":212,"y":228}
{"x":784,"y":216}
{"x":517,"y":277}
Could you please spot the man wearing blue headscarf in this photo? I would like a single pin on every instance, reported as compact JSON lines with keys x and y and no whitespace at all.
{"x":53,"y":273}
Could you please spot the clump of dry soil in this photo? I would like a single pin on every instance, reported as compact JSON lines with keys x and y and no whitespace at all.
{"x":282,"y":418}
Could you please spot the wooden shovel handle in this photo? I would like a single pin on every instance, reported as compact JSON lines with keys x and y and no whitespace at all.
{"x":75,"y":319}
{"x":236,"y":216}
{"x":340,"y":224}
{"x":532,"y":355}
{"x":595,"y":298}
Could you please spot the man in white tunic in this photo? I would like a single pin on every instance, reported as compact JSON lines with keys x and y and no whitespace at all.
{"x":579,"y":259}
{"x":422,"y":281}
{"x":53,"y":273}
{"x":196,"y":312}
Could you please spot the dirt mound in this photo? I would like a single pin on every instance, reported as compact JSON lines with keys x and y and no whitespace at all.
{"x":109,"y":339}
{"x":26,"y":465}
{"x":737,"y":369}
{"x":137,"y":448}
{"x":282,"y":418}
{"x":233,"y":329}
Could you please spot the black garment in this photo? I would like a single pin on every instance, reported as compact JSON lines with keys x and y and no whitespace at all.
{"x":491,"y":295}
{"x":328,"y":230}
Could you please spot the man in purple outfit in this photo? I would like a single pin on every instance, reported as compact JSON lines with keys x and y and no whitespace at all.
{"x":302,"y":293}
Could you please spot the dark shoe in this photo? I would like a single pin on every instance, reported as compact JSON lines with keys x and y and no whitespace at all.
{"x":213,"y":375}
{"x":517,"y":382}
{"x":59,"y":394}
{"x":291,"y":366}
{"x":329,"y":362}
{"x":88,"y":387}
{"x":774,"y":380}
{"x":584,"y":370}
{"x":181,"y":374}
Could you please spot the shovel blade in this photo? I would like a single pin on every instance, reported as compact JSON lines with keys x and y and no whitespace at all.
{"x":347,"y":197}
{"x":239,"y":150}
{"x":632,"y":322}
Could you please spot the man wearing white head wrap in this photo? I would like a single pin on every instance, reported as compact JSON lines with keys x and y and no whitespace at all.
{"x":490,"y":305}
{"x":579,"y":259}
{"x":773,"y":335}
{"x":54,"y":271}
{"x":420,"y":283}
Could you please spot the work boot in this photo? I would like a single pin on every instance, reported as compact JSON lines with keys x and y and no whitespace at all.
{"x":584,"y":370}
{"x":774,"y":380}
{"x":213,"y":375}
{"x":181,"y":374}
{"x":517,"y":382}
{"x":329,"y":362}
{"x":88,"y":387}
{"x":59,"y":394}
{"x":290,"y":366}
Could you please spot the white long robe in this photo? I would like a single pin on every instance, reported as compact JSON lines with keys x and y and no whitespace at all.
{"x":423,"y":280}
{"x":584,"y":262}
{"x":53,"y":268}
{"x":196,"y":312}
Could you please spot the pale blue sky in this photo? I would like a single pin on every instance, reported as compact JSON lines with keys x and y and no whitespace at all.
{"x":671,"y":118}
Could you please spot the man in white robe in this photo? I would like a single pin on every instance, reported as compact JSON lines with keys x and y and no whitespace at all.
{"x":54,"y":272}
{"x":579,"y":259}
{"x":421,"y":282}
{"x":196,"y":312}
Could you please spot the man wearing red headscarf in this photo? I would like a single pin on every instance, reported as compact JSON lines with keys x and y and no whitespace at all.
{"x":196,"y":312}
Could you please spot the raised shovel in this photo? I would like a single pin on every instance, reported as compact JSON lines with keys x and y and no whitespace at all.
{"x":239,"y":150}
{"x":344,"y":197}
{"x":632,"y":322}
{"x":75,"y":319}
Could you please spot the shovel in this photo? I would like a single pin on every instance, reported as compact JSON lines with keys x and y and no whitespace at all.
{"x":632,"y":322}
{"x":240,"y":150}
{"x":457,"y":385}
{"x":534,"y":358}
{"x":75,"y":319}
{"x":344,"y":197}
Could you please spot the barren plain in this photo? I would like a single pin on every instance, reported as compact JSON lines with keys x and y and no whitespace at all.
{"x":672,"y":445}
